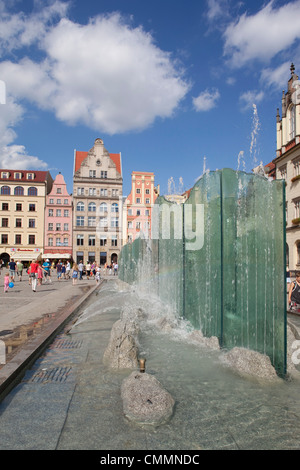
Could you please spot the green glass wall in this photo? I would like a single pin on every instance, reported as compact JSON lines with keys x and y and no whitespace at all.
{"x":219,"y":261}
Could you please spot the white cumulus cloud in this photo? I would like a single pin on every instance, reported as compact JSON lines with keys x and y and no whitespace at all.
{"x":206,"y":100}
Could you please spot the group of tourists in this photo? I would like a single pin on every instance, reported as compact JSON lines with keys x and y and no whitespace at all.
{"x":41,"y":272}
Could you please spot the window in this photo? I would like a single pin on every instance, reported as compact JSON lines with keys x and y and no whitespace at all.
{"x":19,"y":223}
{"x":147,"y":191}
{"x":138,"y":212}
{"x":31,"y":240}
{"x":50,"y":226}
{"x":19,"y":191}
{"x":103,"y":222}
{"x":5,"y":190}
{"x":296,"y":167}
{"x":18,"y":207}
{"x":147,"y":212}
{"x":92,"y":207}
{"x":80,"y":239}
{"x":114,"y":222}
{"x":4,"y":239}
{"x":50,"y":212}
{"x":91,"y":221}
{"x":32,"y":191}
{"x":103,"y":208}
{"x":103,"y":241}
{"x":50,"y":241}
{"x":282,"y":172}
{"x":129,"y":211}
{"x":114,"y":240}
{"x":115,"y":207}
{"x":297,"y":208}
{"x":80,"y":191}
{"x":51,"y":201}
{"x":298,"y":253}
{"x":138,"y":200}
{"x":103,"y":192}
{"x":66,"y":213}
{"x":4,"y":222}
{"x":58,"y":201}
{"x":138,"y":191}
{"x":5,"y":175}
{"x":58,"y":191}
{"x":92,"y":173}
{"x":291,"y":122}
{"x":66,"y":227}
{"x":66,"y":241}
{"x":80,"y":221}
{"x":114,"y":192}
{"x":80,"y":206}
{"x":31,"y":207}
{"x":92,"y":240}
{"x":58,"y":212}
{"x":58,"y":227}
{"x":147,"y":200}
{"x":5,"y":206}
{"x":66,"y":201}
{"x":92,"y":191}
{"x":130,"y":225}
{"x":18,"y":239}
{"x":31,"y":223}
{"x":18,"y":176}
{"x":30,"y":176}
{"x":58,"y":241}
{"x":138,"y":225}
{"x":103,"y":174}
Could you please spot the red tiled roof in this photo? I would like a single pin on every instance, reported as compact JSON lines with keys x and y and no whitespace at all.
{"x":39,"y":176}
{"x":80,"y":156}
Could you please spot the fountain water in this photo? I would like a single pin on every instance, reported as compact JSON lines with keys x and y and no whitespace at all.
{"x":232,"y":285}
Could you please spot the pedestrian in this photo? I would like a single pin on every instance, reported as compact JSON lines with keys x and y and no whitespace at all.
{"x":80,"y":269}
{"x":75,"y":274}
{"x":63,"y":271}
{"x":47,"y":270}
{"x":116,"y":266}
{"x":98,"y":271}
{"x":59,"y":270}
{"x":88,"y":270}
{"x":20,"y":268}
{"x":93,"y":269}
{"x":40,"y":274}
{"x":294,"y":293}
{"x":68,"y":269}
{"x":33,"y":274}
{"x":12,"y":269}
{"x":6,"y":282}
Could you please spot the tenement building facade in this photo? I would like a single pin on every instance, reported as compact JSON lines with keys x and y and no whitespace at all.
{"x":97,"y":200}
{"x":287,"y":164}
{"x":22,"y":213}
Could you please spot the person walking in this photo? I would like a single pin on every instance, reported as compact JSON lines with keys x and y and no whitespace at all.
{"x":40,"y":274}
{"x":47,"y":270}
{"x":33,"y":274}
{"x":75,"y":274}
{"x":88,"y":270}
{"x":80,"y":268}
{"x":20,"y":267}
{"x":59,"y":270}
{"x":6,"y":282}
{"x":12,"y":269}
{"x":68,"y":269}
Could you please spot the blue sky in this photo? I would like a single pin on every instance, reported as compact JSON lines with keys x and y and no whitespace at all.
{"x":176,"y":86}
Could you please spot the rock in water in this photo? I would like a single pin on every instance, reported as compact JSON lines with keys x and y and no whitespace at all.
{"x":145,"y":401}
{"x":122,"y":350}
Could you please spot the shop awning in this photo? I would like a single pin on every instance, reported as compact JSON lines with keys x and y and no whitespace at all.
{"x":56,"y":256}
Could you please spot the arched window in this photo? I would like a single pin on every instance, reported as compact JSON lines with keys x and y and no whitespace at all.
{"x":32,"y":191}
{"x":103,"y":207}
{"x":19,"y":191}
{"x":291,"y":122}
{"x":5,"y":190}
{"x":115,"y":207}
{"x":298,"y":252}
{"x":80,"y":206}
{"x":92,"y":207}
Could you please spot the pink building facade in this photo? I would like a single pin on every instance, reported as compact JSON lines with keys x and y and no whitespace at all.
{"x":58,"y":222}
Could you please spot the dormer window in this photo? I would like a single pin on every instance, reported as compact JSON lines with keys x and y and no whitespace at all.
{"x":18,"y":176}
{"x":5,"y":174}
{"x":30,"y":176}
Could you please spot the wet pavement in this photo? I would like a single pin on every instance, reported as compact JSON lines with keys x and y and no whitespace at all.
{"x":69,"y":400}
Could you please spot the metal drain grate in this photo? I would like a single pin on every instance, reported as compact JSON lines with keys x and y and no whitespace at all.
{"x":59,"y":374}
{"x":66,"y":344}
